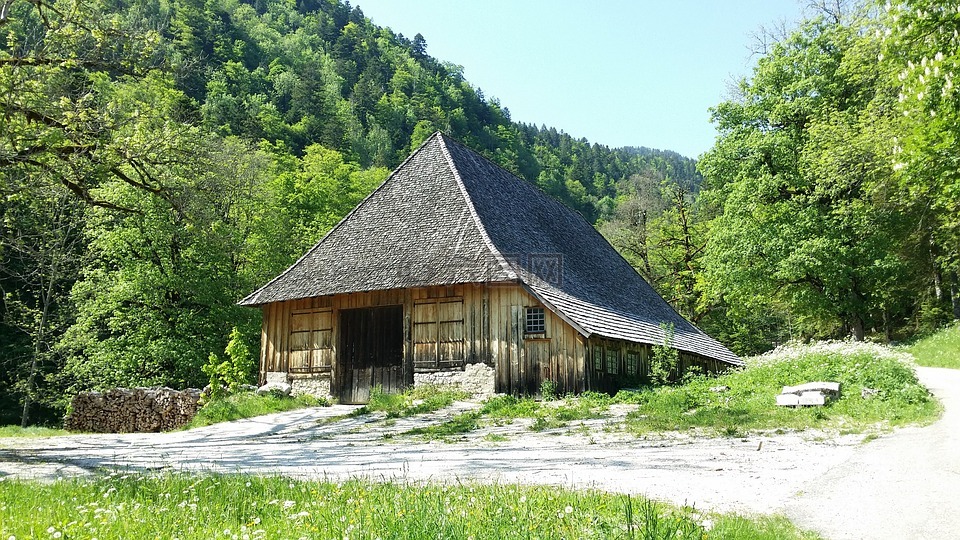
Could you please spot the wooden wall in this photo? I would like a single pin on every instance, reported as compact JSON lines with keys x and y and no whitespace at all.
{"x":444,"y":328}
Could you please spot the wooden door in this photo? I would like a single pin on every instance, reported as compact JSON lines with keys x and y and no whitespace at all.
{"x":371,"y":352}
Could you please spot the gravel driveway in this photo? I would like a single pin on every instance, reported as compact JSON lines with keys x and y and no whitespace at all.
{"x":902,"y":485}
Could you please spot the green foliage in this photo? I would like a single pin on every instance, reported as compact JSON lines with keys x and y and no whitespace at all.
{"x":665,"y":360}
{"x":750,"y":402}
{"x":940,"y":349}
{"x":248,"y":405}
{"x":548,"y":390}
{"x":228,"y":376}
{"x":193,"y":506}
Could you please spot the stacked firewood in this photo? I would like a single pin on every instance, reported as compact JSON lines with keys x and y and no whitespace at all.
{"x":124,"y":410}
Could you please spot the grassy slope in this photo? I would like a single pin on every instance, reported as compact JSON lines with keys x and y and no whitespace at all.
{"x":237,"y":506}
{"x":941,"y":349}
{"x":750,"y":401}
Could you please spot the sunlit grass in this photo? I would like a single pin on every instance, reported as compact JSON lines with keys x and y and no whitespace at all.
{"x":416,"y":400}
{"x":941,"y":349}
{"x":32,"y":431}
{"x":248,"y":405}
{"x":246,"y":507}
{"x":750,"y":404}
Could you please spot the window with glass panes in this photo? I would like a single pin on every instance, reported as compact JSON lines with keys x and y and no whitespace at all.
{"x":536,"y":321}
{"x":633,"y":363}
{"x":613,"y":361}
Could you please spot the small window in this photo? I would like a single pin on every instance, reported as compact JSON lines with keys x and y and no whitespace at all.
{"x":613,"y":361}
{"x":597,"y":358}
{"x":536,"y":321}
{"x":633,"y":363}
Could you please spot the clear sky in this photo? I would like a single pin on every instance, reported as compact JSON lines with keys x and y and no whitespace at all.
{"x":618,"y":72}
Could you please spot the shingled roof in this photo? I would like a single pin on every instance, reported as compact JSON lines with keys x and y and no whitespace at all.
{"x":447,"y":215}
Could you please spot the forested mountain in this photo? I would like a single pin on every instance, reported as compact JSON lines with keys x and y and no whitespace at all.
{"x":161,"y":158}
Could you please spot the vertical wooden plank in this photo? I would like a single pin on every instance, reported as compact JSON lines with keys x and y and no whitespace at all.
{"x":516,"y":345}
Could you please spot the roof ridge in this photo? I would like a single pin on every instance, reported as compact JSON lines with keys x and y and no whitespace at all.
{"x":248,"y":300}
{"x":494,"y":250}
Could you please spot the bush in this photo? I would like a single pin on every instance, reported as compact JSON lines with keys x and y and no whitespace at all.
{"x":230,"y":375}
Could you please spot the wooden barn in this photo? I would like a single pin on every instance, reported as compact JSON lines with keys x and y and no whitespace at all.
{"x":455,"y":271}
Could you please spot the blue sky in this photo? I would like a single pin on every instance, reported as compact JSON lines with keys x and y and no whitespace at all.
{"x":620,"y":73}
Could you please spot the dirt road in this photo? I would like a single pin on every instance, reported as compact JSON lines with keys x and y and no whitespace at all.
{"x":902,"y":485}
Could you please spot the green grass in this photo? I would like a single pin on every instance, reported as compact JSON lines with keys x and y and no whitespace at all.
{"x":750,"y":402}
{"x":248,"y":405}
{"x":247,"y":507}
{"x":416,"y":400}
{"x":505,"y":409}
{"x":941,"y":349}
{"x":33,"y":431}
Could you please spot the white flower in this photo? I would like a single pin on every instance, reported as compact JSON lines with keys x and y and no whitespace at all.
{"x":51,"y":530}
{"x":568,"y":509}
{"x":288,"y":504}
{"x":523,"y":499}
{"x":57,"y":534}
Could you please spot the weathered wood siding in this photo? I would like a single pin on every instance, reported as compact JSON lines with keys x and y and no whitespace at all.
{"x":615,"y":364}
{"x":443,"y":327}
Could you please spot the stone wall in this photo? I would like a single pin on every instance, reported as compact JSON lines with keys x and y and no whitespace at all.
{"x":123,"y":410}
{"x":314,"y":386}
{"x":477,"y":379}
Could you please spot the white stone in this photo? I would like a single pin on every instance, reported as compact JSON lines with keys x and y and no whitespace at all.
{"x":476,"y":379}
{"x":314,"y":386}
{"x":276,"y":377}
{"x":812,"y":398}
{"x":788,"y":400}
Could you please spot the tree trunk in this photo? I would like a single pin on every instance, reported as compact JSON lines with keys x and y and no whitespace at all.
{"x":954,"y":296}
{"x":857,"y":328}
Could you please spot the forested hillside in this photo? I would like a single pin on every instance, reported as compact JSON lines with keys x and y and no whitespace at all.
{"x":160,"y":159}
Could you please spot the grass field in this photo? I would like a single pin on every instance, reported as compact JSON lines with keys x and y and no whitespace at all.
{"x":749,"y":404}
{"x":941,"y":349}
{"x":245,"y":507}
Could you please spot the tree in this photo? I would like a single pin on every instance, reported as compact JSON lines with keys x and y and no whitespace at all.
{"x":920,"y":43}
{"x":42,"y":248}
{"x":799,"y":172}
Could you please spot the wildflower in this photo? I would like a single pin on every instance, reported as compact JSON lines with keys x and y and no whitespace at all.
{"x":288,"y":504}
{"x":568,"y":509}
{"x":523,"y":499}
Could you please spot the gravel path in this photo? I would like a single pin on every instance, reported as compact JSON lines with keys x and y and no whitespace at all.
{"x":903,"y":485}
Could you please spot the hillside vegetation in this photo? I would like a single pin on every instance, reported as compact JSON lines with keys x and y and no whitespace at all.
{"x":161,"y":159}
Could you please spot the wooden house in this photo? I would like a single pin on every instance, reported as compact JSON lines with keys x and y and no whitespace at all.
{"x":456,"y":271}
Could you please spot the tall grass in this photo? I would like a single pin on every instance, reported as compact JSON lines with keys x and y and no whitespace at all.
{"x":750,"y":401}
{"x":941,"y":349}
{"x":244,"y":507}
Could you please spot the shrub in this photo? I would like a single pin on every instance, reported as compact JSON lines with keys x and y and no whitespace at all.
{"x":229,"y":376}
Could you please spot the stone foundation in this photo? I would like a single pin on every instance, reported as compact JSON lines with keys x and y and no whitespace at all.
{"x":477,"y":379}
{"x":314,"y":386}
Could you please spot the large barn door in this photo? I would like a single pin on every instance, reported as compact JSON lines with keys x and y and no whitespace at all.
{"x":371,"y":352}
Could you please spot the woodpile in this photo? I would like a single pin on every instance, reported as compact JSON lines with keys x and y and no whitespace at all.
{"x":124,"y":410}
